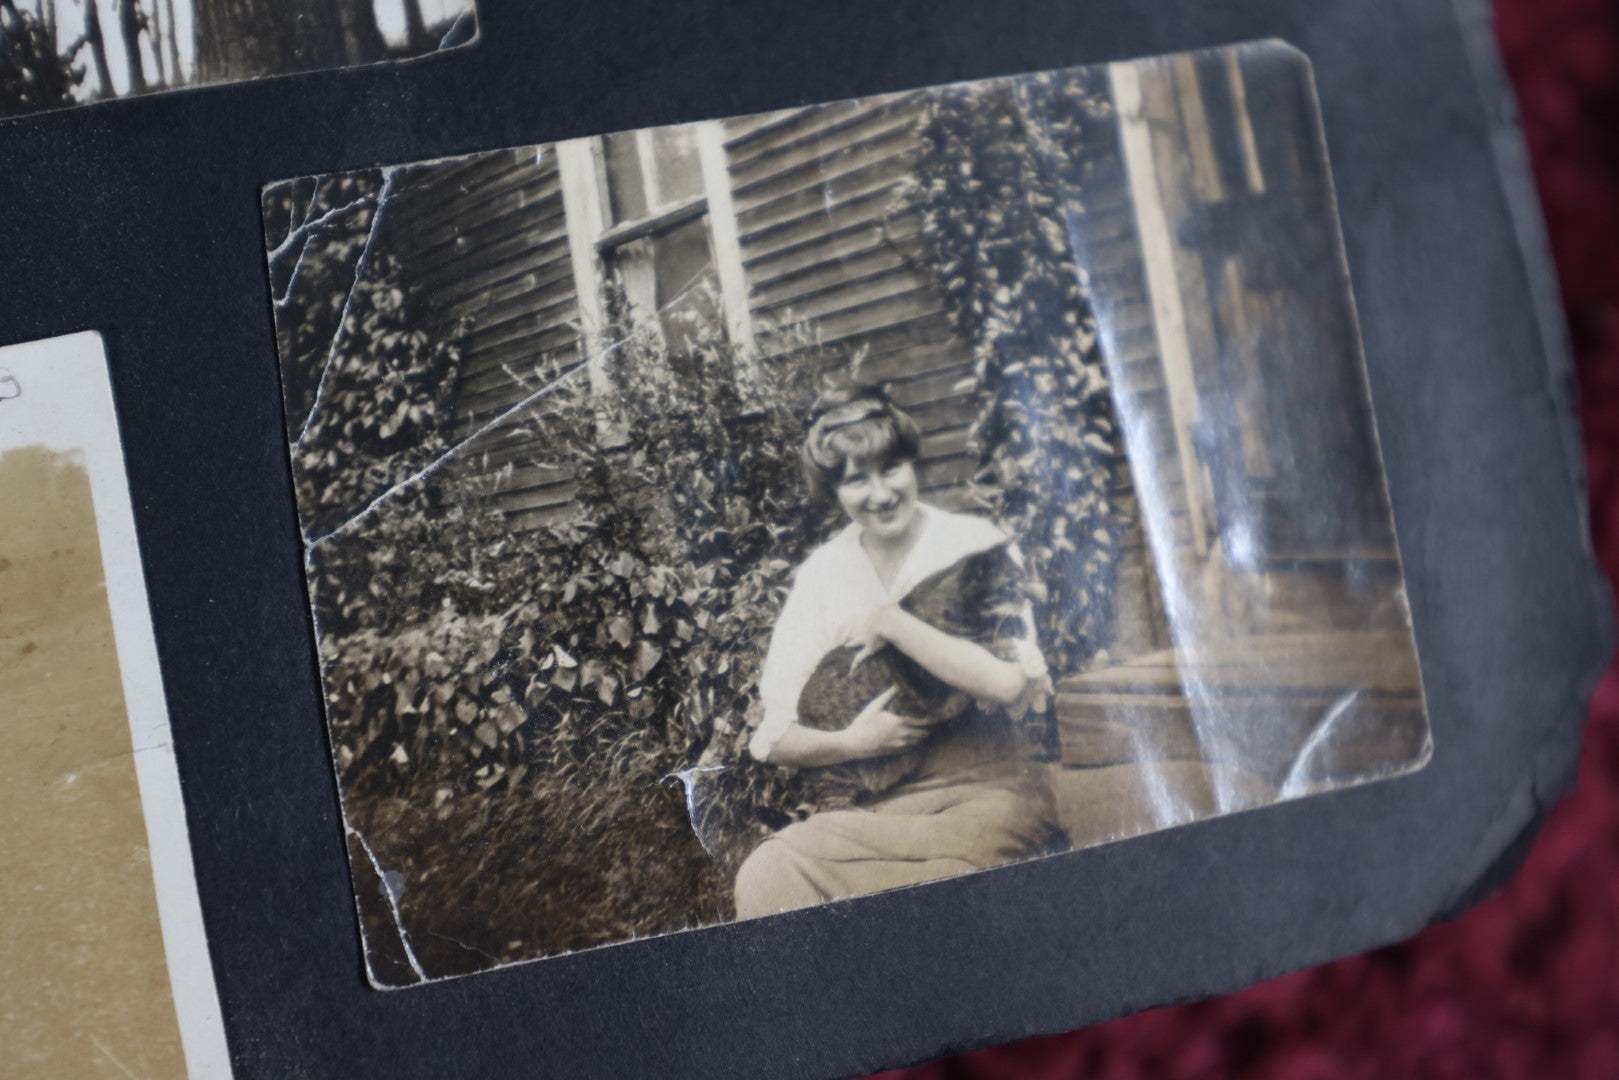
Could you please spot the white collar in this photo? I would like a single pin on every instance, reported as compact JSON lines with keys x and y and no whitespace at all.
{"x":946,"y":539}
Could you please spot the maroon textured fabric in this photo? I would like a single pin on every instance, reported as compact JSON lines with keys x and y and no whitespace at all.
{"x":1526,"y":984}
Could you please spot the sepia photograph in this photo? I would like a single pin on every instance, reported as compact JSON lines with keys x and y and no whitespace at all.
{"x":104,"y":964}
{"x":55,"y":54}
{"x":711,"y":521}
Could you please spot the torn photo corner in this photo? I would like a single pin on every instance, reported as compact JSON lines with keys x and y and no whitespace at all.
{"x":714,"y":520}
{"x":104,"y":963}
{"x":57,"y":54}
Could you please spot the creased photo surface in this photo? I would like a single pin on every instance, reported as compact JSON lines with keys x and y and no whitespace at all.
{"x":717,"y":520}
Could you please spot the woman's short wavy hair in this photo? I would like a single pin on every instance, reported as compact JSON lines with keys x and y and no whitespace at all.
{"x":854,"y":422}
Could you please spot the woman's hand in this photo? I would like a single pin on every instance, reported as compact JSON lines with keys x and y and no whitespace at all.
{"x":876,"y":731}
{"x":878,"y":629}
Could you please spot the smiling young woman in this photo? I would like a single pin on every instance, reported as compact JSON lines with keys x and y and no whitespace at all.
{"x":974,"y":797}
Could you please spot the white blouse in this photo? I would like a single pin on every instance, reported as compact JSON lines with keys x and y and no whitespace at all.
{"x":837,"y":590}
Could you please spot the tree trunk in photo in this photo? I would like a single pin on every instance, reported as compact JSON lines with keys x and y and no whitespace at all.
{"x":98,"y":49}
{"x":177,"y":74}
{"x":47,"y":15}
{"x":154,"y":34}
{"x":239,"y":39}
{"x":129,"y":28}
{"x":416,"y":38}
{"x":361,"y":34}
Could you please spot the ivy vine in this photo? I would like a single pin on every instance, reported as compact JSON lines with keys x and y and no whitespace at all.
{"x":1001,"y":168}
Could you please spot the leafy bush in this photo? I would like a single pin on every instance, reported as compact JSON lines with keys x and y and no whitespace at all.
{"x":369,"y":397}
{"x":380,"y":408}
{"x":368,"y":390}
{"x":315,"y":231}
{"x":520,"y":819}
{"x":582,"y":667}
{"x":33,"y":76}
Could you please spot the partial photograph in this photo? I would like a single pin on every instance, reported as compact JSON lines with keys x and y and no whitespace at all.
{"x":104,"y":967}
{"x":55,"y":54}
{"x":716,"y":520}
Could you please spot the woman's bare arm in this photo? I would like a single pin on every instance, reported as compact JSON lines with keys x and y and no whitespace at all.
{"x":875,"y":731}
{"x":965,"y":665}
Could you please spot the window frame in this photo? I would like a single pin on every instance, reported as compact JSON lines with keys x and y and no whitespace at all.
{"x":593,"y":236}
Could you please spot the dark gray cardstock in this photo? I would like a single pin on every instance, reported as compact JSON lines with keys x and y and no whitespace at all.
{"x":141,"y":219}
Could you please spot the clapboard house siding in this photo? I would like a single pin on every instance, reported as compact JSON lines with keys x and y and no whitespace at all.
{"x":831,"y":251}
{"x":489,"y":256}
{"x":830,"y":247}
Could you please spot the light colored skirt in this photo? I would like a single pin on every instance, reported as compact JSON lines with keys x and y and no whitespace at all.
{"x":923,"y":831}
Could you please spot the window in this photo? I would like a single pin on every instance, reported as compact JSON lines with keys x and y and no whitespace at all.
{"x":653,"y":235}
{"x":656,"y":254}
{"x":651,"y":171}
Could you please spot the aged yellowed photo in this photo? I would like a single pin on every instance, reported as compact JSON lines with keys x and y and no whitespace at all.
{"x":717,"y":520}
{"x":103,"y":961}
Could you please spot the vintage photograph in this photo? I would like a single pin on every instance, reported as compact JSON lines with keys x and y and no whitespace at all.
{"x":104,"y":967}
{"x":59,"y":53}
{"x":716,"y":520}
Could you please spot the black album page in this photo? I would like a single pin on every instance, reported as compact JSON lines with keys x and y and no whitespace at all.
{"x":787,"y":540}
